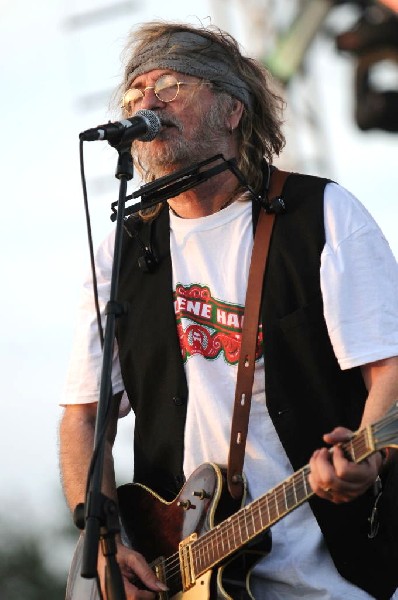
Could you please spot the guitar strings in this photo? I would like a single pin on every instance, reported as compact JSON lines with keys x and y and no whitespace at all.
{"x":276,"y":503}
{"x":389,"y":419}
{"x":248,"y":522}
{"x":245,"y":519}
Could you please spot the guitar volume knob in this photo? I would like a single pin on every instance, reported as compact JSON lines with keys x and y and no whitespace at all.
{"x":201,"y":494}
{"x":185,"y":504}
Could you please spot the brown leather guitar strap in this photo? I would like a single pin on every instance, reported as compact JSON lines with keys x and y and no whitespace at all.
{"x":245,"y":377}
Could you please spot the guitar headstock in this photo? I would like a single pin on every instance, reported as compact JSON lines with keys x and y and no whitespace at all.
{"x":385,"y":431}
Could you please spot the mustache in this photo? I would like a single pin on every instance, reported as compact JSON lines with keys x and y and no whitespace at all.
{"x":170,"y":121}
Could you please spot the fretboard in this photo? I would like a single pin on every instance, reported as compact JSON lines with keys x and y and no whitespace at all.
{"x":236,"y":531}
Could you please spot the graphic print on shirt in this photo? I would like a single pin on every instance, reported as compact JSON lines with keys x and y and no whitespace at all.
{"x":208,"y":326}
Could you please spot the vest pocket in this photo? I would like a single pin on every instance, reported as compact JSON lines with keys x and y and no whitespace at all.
{"x":310,"y":315}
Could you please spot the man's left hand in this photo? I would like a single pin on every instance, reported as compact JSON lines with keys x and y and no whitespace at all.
{"x":334,"y":477}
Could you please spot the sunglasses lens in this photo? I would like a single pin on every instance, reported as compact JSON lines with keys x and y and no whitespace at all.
{"x":166,"y":88}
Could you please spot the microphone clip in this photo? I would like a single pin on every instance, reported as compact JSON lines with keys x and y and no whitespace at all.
{"x":275,"y":206}
{"x":147,"y":262}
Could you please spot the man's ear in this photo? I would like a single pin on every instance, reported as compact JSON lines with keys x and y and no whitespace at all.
{"x":235,"y":114}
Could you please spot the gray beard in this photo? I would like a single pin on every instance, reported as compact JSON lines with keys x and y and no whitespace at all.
{"x":177,"y":153}
{"x":209,"y":138}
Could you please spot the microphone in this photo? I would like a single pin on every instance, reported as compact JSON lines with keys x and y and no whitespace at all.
{"x":144,"y":126}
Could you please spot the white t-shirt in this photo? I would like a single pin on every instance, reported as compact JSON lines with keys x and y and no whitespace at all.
{"x":211,"y":258}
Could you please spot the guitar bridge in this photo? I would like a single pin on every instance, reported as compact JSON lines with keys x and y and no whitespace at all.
{"x":186,"y":562}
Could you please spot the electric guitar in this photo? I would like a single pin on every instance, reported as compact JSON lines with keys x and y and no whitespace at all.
{"x":198,"y":545}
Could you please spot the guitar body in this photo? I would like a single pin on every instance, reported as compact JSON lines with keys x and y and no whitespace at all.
{"x":155,"y":528}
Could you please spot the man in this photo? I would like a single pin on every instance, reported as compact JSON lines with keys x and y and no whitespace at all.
{"x":328,"y":364}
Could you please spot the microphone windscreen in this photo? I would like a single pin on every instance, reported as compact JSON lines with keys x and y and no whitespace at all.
{"x":153,"y":122}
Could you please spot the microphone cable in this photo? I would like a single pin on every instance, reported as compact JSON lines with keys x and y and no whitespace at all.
{"x":97,"y":308}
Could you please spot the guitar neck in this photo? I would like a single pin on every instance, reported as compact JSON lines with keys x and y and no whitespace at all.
{"x":235,"y":532}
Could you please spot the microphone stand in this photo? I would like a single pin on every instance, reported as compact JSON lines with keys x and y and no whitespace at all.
{"x":99,"y":514}
{"x":101,"y":519}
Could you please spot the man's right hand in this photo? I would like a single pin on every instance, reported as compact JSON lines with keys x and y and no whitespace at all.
{"x":132,"y":564}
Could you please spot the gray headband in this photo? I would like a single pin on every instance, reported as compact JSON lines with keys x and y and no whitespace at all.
{"x":192,"y":54}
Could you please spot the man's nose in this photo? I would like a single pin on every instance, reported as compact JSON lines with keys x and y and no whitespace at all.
{"x":150,"y":100}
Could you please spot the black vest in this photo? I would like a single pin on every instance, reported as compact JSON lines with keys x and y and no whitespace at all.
{"x":307,"y":394}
